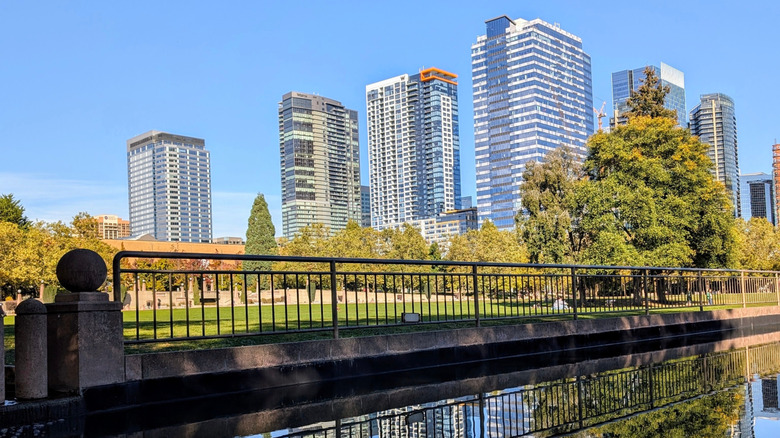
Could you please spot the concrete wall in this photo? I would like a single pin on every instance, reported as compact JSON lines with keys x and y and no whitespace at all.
{"x":450,"y":343}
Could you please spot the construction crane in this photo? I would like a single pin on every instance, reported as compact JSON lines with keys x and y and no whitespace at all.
{"x":600,"y":113}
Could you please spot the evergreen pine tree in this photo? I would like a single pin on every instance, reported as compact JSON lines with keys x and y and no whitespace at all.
{"x":648,"y":99}
{"x":260,"y":234}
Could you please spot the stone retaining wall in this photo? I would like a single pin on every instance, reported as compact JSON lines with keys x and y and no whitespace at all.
{"x":606,"y":331}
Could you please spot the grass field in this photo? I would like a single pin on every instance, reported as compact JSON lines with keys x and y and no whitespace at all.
{"x":158,"y":330}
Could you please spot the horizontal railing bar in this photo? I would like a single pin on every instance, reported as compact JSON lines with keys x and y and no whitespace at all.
{"x":250,"y":257}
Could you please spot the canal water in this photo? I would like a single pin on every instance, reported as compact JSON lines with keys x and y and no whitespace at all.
{"x":727,"y":387}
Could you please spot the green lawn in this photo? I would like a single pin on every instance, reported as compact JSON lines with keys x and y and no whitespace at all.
{"x":255,"y":324}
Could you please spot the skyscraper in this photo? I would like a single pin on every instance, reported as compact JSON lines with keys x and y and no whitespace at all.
{"x":169,"y":182}
{"x":757,"y":193}
{"x":319,"y":148}
{"x":776,"y":179}
{"x":714,"y":122}
{"x":625,"y":82}
{"x":365,"y":206}
{"x":532,"y":94}
{"x":413,"y":147}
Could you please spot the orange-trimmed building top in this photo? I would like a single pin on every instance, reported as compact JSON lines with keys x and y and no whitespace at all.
{"x":432,"y":73}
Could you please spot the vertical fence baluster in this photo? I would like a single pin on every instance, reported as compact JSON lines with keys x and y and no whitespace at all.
{"x":334,"y":300}
{"x":647,"y":292}
{"x":476,"y":294}
{"x":574,"y":291}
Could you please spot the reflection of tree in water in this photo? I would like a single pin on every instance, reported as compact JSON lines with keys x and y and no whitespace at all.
{"x":566,"y":405}
{"x":707,"y":416}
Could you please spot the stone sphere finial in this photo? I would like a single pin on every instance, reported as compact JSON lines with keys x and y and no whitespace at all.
{"x":81,"y":270}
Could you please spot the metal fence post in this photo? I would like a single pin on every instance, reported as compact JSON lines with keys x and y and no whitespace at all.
{"x":702,"y":286}
{"x":334,"y":300}
{"x":742,"y":287}
{"x":647,"y":292}
{"x":574,"y":290}
{"x":476,"y":293}
{"x":777,"y":289}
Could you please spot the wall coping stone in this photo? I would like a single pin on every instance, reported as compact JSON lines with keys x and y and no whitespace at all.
{"x":191,"y":362}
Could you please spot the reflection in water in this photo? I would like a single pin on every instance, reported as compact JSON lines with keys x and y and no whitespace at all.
{"x":702,"y":396}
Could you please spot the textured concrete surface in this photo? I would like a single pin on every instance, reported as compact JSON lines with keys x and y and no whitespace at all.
{"x":85,"y":342}
{"x":31,"y":381}
{"x":483,"y":340}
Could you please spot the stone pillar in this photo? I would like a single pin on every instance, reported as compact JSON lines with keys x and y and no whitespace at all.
{"x":85,"y":340}
{"x":31,"y":350}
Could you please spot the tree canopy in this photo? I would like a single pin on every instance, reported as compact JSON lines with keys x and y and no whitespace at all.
{"x":652,"y":199}
{"x":552,"y":208}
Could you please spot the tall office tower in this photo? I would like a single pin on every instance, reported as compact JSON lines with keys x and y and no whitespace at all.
{"x":714,"y":122}
{"x":413,"y":147}
{"x":169,"y":179}
{"x":319,"y":148}
{"x":757,"y":193}
{"x":625,"y":82}
{"x":532,"y":94}
{"x":776,"y":179}
{"x":365,"y":206}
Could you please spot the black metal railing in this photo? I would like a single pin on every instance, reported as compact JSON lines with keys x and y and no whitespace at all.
{"x":172,"y":296}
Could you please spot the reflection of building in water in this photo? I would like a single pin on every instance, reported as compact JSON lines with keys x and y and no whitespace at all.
{"x":769,"y":394}
{"x":747,"y":421}
{"x":765,"y":398}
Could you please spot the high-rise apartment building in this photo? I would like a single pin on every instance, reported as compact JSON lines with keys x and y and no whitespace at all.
{"x":776,"y":179}
{"x":413,"y":147}
{"x":112,"y":227}
{"x":320,"y":161}
{"x":532,"y":94}
{"x":757,"y":195}
{"x":626,"y":82}
{"x":169,"y":181}
{"x":715,"y":123}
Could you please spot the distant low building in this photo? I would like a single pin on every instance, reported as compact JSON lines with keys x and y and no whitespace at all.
{"x":148,"y":244}
{"x":228,"y":240}
{"x":448,"y":224}
{"x":112,"y":227}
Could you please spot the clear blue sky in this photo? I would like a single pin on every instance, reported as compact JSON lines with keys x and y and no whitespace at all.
{"x":80,"y":78}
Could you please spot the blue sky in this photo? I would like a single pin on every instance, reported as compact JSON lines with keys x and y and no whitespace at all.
{"x":80,"y":78}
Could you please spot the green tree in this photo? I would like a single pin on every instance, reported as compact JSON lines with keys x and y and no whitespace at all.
{"x":652,"y":199}
{"x":260,"y":235}
{"x":488,"y":244}
{"x":434,"y":253}
{"x":11,"y":210}
{"x":759,"y":244}
{"x":552,"y":208}
{"x":406,"y":243}
{"x":648,"y":99}
{"x":85,"y":226}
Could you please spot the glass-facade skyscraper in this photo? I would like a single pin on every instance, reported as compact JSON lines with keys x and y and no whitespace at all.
{"x":169,"y":187}
{"x":627,"y":81}
{"x":715,"y":123}
{"x":533,"y":93}
{"x":757,"y":195}
{"x":413,"y":147}
{"x":320,"y":162}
